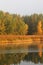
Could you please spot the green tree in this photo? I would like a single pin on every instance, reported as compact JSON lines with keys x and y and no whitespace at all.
{"x":18,"y":26}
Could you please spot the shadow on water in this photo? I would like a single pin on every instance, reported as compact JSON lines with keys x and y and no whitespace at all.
{"x":14,"y":55}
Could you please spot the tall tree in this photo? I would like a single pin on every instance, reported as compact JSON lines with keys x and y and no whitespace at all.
{"x":39,"y":28}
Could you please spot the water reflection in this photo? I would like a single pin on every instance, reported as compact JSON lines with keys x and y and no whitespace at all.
{"x":17,"y":58}
{"x":34,"y":57}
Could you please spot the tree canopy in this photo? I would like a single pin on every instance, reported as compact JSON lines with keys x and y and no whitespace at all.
{"x":12,"y":24}
{"x":20,"y":25}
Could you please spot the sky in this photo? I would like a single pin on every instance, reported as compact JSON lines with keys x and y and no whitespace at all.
{"x":22,"y":7}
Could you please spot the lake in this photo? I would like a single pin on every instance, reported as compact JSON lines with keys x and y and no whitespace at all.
{"x":21,"y":55}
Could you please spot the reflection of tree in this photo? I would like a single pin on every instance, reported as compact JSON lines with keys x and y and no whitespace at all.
{"x":16,"y":58}
{"x":41,"y":59}
{"x":36,"y":48}
{"x":34,"y":57}
{"x":7,"y":59}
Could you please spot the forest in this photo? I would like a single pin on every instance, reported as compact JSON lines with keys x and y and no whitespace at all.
{"x":13,"y":24}
{"x":21,"y":25}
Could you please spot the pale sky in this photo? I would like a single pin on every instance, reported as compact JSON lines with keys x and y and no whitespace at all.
{"x":22,"y":7}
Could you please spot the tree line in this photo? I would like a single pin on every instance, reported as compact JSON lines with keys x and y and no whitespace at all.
{"x":21,"y":25}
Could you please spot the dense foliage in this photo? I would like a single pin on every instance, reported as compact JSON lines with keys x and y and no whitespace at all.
{"x":35,"y":23}
{"x":12,"y":24}
{"x":17,"y":25}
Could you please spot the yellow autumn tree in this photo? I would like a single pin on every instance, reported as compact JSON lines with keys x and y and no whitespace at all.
{"x":39,"y":28}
